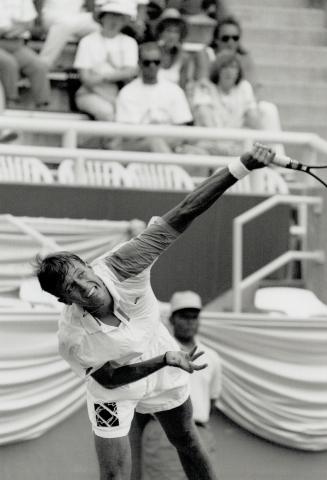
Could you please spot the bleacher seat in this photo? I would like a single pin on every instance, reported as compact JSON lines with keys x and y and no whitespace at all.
{"x":93,"y":172}
{"x":24,"y":169}
{"x":158,"y":176}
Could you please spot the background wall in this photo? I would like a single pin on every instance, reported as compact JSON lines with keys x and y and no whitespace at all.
{"x":200,"y":260}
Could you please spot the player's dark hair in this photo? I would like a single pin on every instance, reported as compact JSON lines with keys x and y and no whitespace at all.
{"x":51,"y":270}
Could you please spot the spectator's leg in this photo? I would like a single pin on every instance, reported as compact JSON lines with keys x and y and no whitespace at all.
{"x":270,"y":120}
{"x":36,"y":71}
{"x":9,"y":75}
{"x":159,"y":457}
{"x":114,"y":456}
{"x":59,"y":34}
{"x":100,"y":108}
{"x":181,"y":432}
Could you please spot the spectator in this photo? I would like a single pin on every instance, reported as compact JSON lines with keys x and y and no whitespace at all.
{"x":226,"y":101}
{"x":106,"y":59}
{"x":159,"y":458}
{"x":212,"y":8}
{"x":227,"y":36}
{"x":176,"y":65}
{"x":143,"y":28}
{"x":151,"y":100}
{"x":64,"y":21}
{"x":17,"y":18}
{"x":215,"y":9}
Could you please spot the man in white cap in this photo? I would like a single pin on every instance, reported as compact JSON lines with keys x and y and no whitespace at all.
{"x":159,"y":458}
{"x":106,"y":59}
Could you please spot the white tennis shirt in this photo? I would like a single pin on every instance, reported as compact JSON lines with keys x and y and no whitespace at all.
{"x":87,"y":344}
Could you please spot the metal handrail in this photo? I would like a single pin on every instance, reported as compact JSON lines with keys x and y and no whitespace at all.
{"x":238,"y":283}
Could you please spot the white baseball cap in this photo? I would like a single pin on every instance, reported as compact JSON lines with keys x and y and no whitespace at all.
{"x":123,"y":7}
{"x":186,"y":299}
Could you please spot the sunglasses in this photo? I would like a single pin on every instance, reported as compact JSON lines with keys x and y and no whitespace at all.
{"x":147,"y":63}
{"x":225,"y":38}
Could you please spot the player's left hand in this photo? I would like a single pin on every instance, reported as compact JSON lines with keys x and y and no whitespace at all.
{"x":185,"y":360}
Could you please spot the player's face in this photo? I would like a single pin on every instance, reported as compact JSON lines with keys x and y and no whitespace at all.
{"x":84,"y":288}
{"x":185,"y":324}
{"x":228,"y":37}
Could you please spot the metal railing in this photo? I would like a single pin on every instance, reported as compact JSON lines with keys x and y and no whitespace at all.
{"x":238,"y":282}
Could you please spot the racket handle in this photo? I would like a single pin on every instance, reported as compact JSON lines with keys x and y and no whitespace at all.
{"x":287,"y":162}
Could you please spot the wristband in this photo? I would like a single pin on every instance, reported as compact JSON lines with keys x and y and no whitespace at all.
{"x":238,"y":169}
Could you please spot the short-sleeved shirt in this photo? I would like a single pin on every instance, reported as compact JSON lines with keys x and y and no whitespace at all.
{"x":162,"y":103}
{"x":16,"y":11}
{"x":229,"y":109}
{"x":87,"y":344}
{"x":96,"y":51}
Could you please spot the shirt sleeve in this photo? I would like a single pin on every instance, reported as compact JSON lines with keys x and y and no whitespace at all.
{"x":181,"y":112}
{"x":130,"y":53}
{"x":127,"y":110}
{"x":141,"y":252}
{"x":248,"y":96}
{"x":85,"y":55}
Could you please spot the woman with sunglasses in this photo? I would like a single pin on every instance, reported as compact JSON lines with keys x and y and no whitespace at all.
{"x":227,"y":36}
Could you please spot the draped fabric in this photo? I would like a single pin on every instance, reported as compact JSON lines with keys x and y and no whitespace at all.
{"x":37,"y":388}
{"x":87,"y":238}
{"x":274,"y":375}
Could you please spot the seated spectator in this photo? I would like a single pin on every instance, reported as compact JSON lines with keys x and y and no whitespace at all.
{"x":143,"y":27}
{"x":64,"y":21}
{"x":176,"y":64}
{"x":227,"y":36}
{"x":17,"y":18}
{"x":226,"y":101}
{"x":106,"y":59}
{"x":212,"y":8}
{"x":215,"y":9}
{"x":159,"y":459}
{"x":152,"y":100}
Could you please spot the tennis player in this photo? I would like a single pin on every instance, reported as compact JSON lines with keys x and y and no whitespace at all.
{"x":110,"y":332}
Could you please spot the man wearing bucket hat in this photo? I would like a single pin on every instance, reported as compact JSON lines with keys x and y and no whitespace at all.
{"x":106,"y":59}
{"x":159,"y":458}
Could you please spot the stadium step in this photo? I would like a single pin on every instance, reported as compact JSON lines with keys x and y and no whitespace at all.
{"x":288,"y":73}
{"x":299,"y":94}
{"x":285,"y":36}
{"x":279,"y":17}
{"x":302,"y":56}
{"x":233,"y":4}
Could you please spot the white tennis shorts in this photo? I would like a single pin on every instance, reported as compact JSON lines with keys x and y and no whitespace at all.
{"x":111,"y":413}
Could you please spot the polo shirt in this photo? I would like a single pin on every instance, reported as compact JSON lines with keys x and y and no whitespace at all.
{"x":87,"y":344}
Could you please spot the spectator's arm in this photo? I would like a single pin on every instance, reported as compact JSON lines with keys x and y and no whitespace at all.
{"x":89,"y":77}
{"x":121,"y":75}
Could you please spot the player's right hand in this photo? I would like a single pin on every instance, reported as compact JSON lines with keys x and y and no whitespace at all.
{"x":185,"y":360}
{"x":259,"y":156}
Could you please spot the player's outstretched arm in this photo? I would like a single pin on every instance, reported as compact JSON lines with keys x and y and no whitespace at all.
{"x":202,"y":197}
{"x":112,"y":377}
